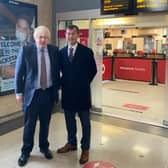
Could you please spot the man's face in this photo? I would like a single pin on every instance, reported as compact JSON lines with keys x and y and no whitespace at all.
{"x":41,"y":39}
{"x":72,"y":36}
{"x":22,"y":29}
{"x":22,"y":26}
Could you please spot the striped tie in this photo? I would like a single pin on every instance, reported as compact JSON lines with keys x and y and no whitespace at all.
{"x":70,"y":54}
{"x":43,"y":78}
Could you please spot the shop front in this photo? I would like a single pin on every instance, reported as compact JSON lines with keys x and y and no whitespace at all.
{"x":130,"y":52}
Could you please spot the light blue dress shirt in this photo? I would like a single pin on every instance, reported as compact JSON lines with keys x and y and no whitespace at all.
{"x":48,"y":67}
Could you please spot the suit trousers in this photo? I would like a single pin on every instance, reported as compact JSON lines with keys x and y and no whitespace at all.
{"x":71,"y":126}
{"x":40,"y":108}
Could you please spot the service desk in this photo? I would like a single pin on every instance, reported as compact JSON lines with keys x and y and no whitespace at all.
{"x":134,"y":68}
{"x":107,"y":68}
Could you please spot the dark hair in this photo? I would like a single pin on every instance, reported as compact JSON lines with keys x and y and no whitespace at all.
{"x":73,"y":27}
{"x":25,"y":17}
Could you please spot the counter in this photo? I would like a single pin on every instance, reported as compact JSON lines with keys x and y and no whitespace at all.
{"x":134,"y":68}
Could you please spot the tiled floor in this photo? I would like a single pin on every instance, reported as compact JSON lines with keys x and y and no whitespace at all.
{"x":8,"y":105}
{"x":135,"y":100}
{"x":124,"y":148}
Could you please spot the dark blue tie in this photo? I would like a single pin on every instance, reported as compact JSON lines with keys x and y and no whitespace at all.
{"x":70,"y":54}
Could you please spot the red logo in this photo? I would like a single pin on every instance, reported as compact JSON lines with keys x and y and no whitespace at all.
{"x":136,"y":107}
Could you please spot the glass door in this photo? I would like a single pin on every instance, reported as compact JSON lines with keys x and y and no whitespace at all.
{"x":86,"y":37}
{"x":133,"y":52}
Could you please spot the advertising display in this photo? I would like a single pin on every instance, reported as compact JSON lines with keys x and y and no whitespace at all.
{"x":17,"y":21}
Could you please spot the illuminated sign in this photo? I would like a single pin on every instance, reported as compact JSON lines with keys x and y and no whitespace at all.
{"x":132,"y":6}
{"x":152,"y":5}
{"x":115,"y":6}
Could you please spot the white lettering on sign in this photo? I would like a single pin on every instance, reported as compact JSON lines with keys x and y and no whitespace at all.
{"x":132,"y":68}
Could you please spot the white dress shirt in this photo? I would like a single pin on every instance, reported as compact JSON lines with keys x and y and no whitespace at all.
{"x":74,"y":48}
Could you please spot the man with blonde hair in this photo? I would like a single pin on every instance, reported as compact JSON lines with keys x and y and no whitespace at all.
{"x":37,"y":80}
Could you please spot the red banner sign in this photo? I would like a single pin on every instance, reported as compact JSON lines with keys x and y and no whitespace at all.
{"x":82,"y":33}
{"x":133,"y":69}
{"x":161,"y":66}
{"x":106,"y":68}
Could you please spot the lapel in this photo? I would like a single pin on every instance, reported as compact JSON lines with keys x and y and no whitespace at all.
{"x":66,"y":54}
{"x":75,"y":54}
{"x":77,"y":51}
{"x":52,"y":58}
{"x":49,"y":53}
{"x":33,"y":59}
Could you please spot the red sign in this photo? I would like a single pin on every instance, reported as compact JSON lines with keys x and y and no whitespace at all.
{"x":107,"y":68}
{"x":84,"y":41}
{"x":161,"y":66}
{"x":98,"y":164}
{"x":61,"y":33}
{"x":135,"y":106}
{"x":82,"y":33}
{"x":133,"y":69}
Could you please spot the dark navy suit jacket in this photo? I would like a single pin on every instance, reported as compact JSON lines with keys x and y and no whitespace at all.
{"x":77,"y":77}
{"x":26,"y":72}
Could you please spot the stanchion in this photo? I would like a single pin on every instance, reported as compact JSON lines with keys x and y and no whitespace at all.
{"x":113,"y":69}
{"x":154,"y":72}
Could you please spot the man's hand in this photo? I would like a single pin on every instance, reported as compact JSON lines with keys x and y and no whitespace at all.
{"x":19,"y":98}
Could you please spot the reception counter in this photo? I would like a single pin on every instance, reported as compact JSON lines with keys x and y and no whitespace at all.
{"x":134,"y":68}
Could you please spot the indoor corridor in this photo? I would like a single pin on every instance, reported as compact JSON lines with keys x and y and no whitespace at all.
{"x":122,"y":143}
{"x":135,"y":100}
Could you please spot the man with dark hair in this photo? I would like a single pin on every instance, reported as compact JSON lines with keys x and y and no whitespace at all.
{"x":78,"y":70}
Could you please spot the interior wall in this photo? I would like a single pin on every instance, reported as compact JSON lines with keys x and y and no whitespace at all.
{"x":64,"y":5}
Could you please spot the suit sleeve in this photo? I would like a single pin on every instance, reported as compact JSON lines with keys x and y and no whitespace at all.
{"x":92,"y":69}
{"x":58,"y":68}
{"x":20,"y":72}
{"x":56,"y":71}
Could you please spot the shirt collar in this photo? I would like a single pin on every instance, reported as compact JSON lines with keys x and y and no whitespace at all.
{"x":39,"y":49}
{"x":73,"y":46}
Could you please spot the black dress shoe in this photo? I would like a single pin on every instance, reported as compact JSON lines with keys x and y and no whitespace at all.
{"x":23,"y":160}
{"x":47,"y":154}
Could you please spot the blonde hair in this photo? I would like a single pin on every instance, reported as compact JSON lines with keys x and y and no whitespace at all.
{"x":42,"y":29}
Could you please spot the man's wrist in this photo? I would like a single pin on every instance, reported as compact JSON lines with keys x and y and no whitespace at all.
{"x":18,"y":94}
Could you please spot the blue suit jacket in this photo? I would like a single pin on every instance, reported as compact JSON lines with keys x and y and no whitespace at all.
{"x":26,"y":72}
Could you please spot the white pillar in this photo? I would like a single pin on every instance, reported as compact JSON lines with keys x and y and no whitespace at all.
{"x":165,"y":121}
{"x":97,"y":45}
